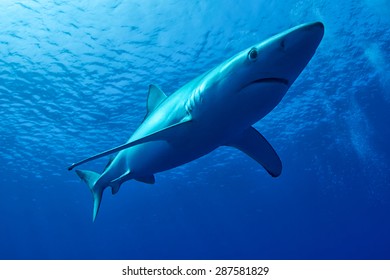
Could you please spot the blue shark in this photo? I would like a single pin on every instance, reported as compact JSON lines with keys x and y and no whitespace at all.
{"x":215,"y":109}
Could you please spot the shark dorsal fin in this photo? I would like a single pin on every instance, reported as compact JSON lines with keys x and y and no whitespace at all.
{"x":108,"y":163}
{"x":155,"y":97}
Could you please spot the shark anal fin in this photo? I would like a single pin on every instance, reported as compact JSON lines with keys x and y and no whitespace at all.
{"x":155,"y":97}
{"x":116,"y":184}
{"x":158,"y":135}
{"x":252,"y":143}
{"x":146,"y":179}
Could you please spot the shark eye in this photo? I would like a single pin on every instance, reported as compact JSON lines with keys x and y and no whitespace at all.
{"x":252,"y":54}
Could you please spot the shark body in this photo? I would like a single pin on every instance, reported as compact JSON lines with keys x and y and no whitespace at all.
{"x":215,"y":109}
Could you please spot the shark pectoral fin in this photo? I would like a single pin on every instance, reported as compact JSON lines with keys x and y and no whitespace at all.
{"x":146,"y":179}
{"x":155,"y":97}
{"x":91,"y":178}
{"x":158,"y":135}
{"x":252,"y":143}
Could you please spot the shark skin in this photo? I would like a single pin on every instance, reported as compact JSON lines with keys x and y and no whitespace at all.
{"x":215,"y":109}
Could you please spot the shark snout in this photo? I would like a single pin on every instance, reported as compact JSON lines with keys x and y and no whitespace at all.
{"x":303,"y":38}
{"x":293,"y":49}
{"x":315,"y":31}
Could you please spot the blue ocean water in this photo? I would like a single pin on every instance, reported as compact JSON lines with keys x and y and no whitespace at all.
{"x":73,"y":82}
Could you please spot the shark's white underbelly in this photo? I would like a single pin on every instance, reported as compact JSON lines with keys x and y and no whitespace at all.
{"x":157,"y":156}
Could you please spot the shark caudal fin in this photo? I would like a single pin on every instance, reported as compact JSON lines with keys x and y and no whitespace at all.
{"x":91,"y":178}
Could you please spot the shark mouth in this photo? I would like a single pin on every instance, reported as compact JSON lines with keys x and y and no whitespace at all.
{"x":271,"y":80}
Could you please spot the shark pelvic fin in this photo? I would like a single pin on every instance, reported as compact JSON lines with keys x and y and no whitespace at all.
{"x":91,"y":178}
{"x":155,"y":97}
{"x":252,"y":143}
{"x":158,"y":135}
{"x":146,"y":179}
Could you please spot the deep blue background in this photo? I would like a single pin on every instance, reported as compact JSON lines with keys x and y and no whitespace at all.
{"x":73,"y":82}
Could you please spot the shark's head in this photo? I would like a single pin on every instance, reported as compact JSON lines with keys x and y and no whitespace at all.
{"x":257,"y":78}
{"x":281,"y":58}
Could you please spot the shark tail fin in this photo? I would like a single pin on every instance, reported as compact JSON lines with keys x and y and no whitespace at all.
{"x":91,"y":178}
